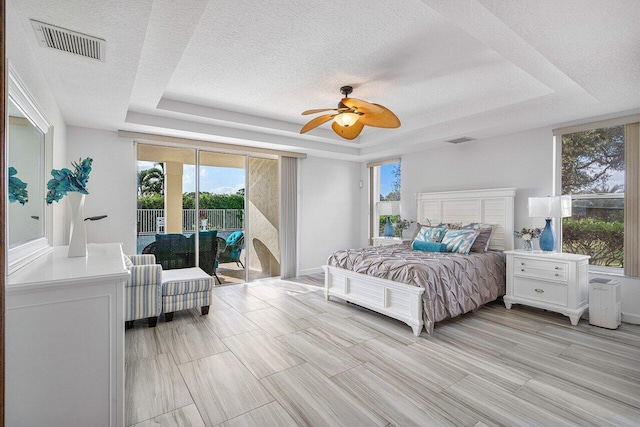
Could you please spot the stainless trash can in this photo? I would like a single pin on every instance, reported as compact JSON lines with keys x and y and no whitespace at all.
{"x":605,"y":303}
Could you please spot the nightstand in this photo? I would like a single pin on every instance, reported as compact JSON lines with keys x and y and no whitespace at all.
{"x":386,"y":241}
{"x":548,"y":280}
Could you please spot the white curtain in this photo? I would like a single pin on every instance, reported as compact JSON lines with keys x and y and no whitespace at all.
{"x":632,"y":201}
{"x":288,"y":216}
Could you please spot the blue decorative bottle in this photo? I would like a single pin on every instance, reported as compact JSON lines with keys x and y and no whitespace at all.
{"x":547,"y":237}
{"x":388,"y":228}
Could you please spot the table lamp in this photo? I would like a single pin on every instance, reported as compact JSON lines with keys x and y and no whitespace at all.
{"x":548,"y":208}
{"x":388,"y":209}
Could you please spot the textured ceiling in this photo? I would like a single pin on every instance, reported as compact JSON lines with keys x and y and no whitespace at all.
{"x":242,"y":71}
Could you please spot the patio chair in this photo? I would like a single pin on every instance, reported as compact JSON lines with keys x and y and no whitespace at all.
{"x":235,"y":244}
{"x":171,"y":251}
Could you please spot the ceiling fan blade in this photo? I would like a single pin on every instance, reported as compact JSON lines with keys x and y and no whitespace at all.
{"x":317,"y":122}
{"x":362,"y":106}
{"x":386,"y":119}
{"x":350,"y":132}
{"x":320,"y":110}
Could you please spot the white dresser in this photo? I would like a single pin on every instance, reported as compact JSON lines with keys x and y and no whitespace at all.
{"x":65,"y":340}
{"x":549,"y":280}
{"x":386,"y":241}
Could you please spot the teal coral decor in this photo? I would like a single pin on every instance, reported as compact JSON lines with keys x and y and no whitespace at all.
{"x":17,"y":188}
{"x":64,"y":180}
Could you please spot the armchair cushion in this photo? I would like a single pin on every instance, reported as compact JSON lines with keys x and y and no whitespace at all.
{"x":234,"y":237}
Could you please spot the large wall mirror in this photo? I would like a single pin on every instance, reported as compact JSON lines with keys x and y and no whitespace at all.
{"x":28,"y":157}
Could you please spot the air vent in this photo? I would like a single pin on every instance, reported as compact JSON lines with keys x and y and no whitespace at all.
{"x":69,"y":41}
{"x":460,"y":140}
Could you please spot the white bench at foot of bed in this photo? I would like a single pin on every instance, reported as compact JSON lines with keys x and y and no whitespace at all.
{"x":397,"y":300}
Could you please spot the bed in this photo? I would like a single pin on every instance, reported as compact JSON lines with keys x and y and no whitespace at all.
{"x":422,"y":288}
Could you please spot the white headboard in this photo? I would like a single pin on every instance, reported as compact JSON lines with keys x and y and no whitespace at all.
{"x":492,"y":206}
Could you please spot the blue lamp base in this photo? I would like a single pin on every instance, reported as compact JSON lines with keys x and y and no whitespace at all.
{"x":548,"y":237}
{"x":388,"y":228}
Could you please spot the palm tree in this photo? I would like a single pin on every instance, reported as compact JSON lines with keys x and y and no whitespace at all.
{"x":151,"y":181}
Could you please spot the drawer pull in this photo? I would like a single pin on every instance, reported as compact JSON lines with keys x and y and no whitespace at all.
{"x":522,"y":263}
{"x":557,"y":274}
{"x":522,"y":269}
{"x":538,"y":290}
{"x":557,"y":268}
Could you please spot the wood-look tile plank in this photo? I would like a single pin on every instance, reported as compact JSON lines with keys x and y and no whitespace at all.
{"x":324,"y":355}
{"x":413,"y":368}
{"x":392,"y":400}
{"x":154,"y":387}
{"x":275,"y":322}
{"x":584,"y":406}
{"x":222,"y":387}
{"x":290,"y":288}
{"x":266,"y":293}
{"x":190,"y":341}
{"x":226,"y":323}
{"x":272,"y":414}
{"x":343,"y":332}
{"x":387,"y":326}
{"x":590,"y":340}
{"x":472,"y":361}
{"x":604,"y":361}
{"x":243,"y":303}
{"x":314,"y":400}
{"x":500,"y":406}
{"x":262,"y":354}
{"x":334,"y":307}
{"x":621,"y":389}
{"x":626,"y":333}
{"x":293,"y":308}
{"x":217,"y":303}
{"x":517,"y":336}
{"x":448,"y":331}
{"x":510,"y":318}
{"x":140,"y":343}
{"x":187,"y":416}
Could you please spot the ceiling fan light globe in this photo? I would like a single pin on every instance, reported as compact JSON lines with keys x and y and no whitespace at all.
{"x":346,"y":119}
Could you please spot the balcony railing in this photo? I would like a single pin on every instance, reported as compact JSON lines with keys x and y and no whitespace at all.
{"x":217,"y":219}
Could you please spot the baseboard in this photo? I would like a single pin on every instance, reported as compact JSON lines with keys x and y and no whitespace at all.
{"x":631,"y":318}
{"x":309,"y":271}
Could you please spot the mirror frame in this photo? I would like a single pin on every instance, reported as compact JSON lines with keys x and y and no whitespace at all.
{"x":18,"y":93}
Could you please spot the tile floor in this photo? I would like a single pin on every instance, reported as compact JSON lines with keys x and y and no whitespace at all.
{"x":275,"y":353}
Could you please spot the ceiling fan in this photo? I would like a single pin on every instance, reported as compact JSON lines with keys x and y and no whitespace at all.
{"x":352,"y":115}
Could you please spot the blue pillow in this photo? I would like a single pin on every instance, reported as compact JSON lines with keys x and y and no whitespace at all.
{"x":428,"y":246}
{"x":234,"y":237}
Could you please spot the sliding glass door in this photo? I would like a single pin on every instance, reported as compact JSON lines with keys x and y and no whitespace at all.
{"x":226,"y":204}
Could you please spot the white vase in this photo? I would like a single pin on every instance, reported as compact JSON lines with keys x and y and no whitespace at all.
{"x":78,"y":233}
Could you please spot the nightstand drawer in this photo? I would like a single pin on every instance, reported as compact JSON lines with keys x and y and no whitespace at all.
{"x":554,"y":293}
{"x":540,"y":269}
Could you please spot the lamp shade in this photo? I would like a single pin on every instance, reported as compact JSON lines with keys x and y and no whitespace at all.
{"x":388,"y":208}
{"x":550,"y":207}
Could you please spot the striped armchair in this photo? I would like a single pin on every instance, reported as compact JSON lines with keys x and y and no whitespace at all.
{"x":143,"y":290}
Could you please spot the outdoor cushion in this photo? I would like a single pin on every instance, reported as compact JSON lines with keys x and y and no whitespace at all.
{"x":234,"y":237}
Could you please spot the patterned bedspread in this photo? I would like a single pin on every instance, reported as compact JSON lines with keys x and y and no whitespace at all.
{"x":454,"y":283}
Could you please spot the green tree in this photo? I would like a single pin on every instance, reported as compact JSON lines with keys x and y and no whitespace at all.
{"x":589,"y":158}
{"x":214,"y":201}
{"x":396,"y":185}
{"x":151,"y":181}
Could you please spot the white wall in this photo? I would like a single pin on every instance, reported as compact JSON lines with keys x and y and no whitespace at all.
{"x":23,"y":60}
{"x":111,"y":186}
{"x":329,"y":210}
{"x":521,"y":160}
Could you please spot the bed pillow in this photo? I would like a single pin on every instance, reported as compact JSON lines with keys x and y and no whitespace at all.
{"x":430,"y":234}
{"x":428,"y":246}
{"x":459,"y":241}
{"x":485,"y":232}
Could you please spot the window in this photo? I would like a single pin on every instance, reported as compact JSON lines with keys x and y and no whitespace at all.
{"x":385,"y":186}
{"x":594,"y":173}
